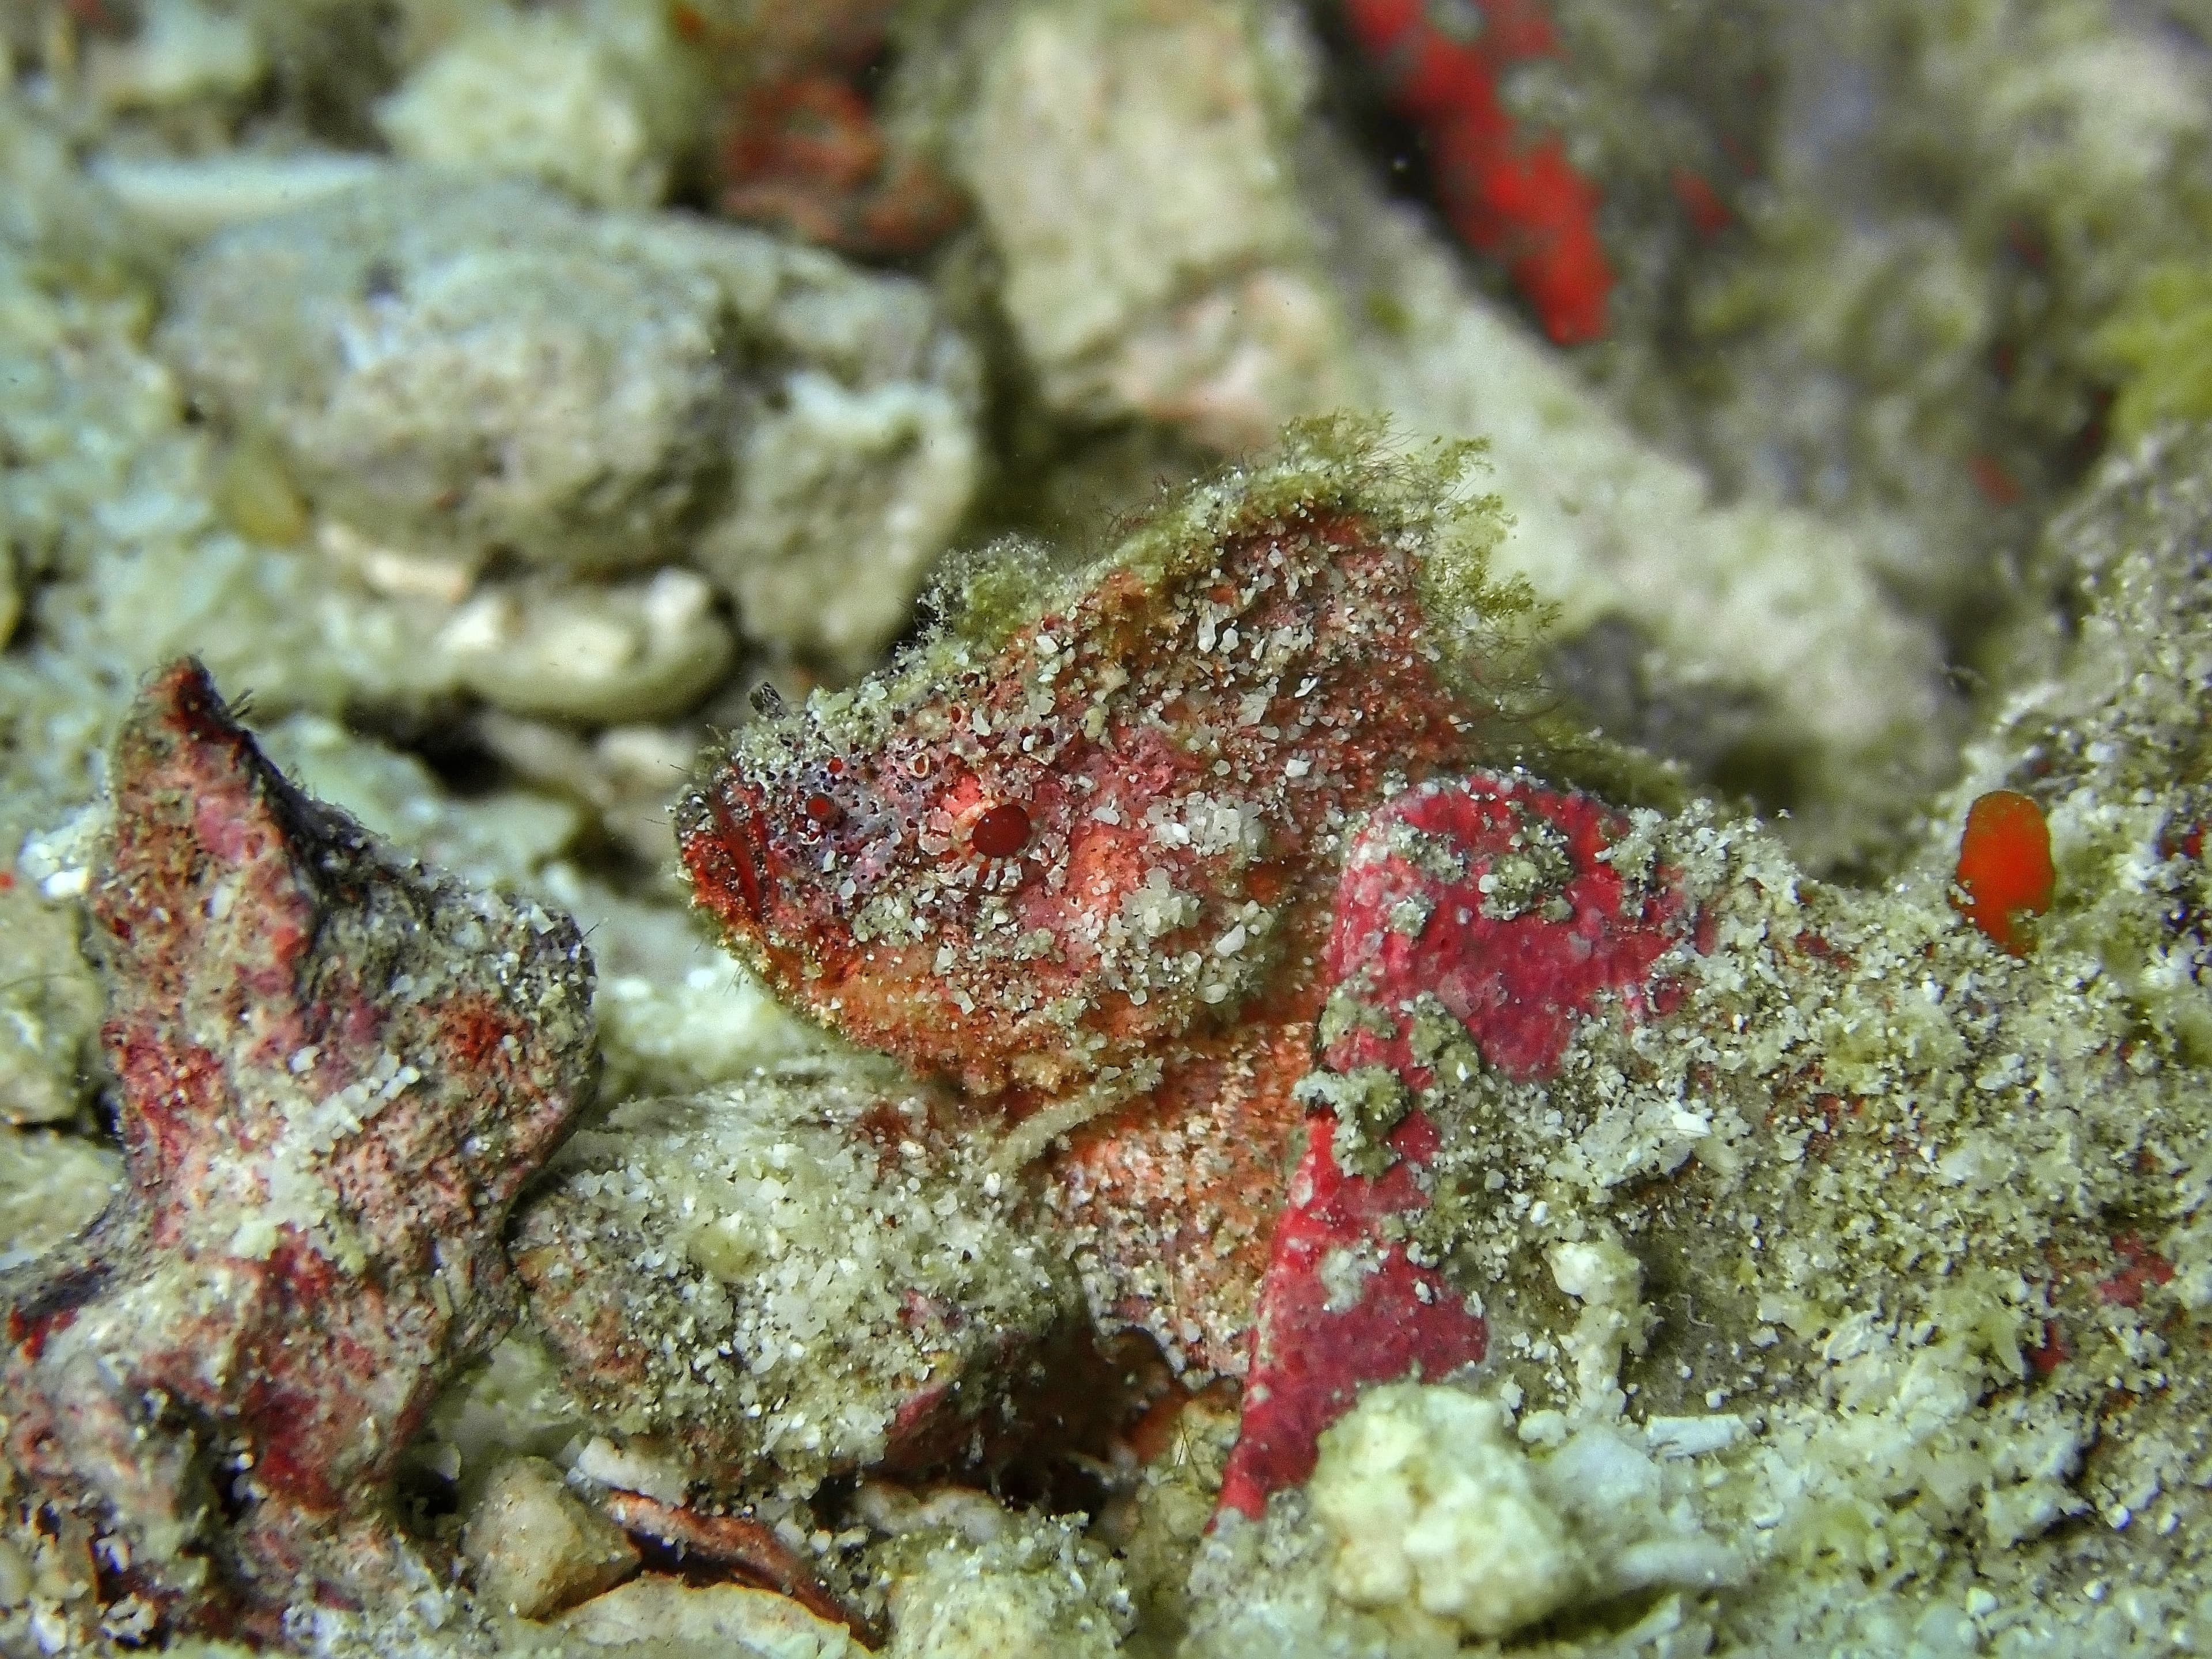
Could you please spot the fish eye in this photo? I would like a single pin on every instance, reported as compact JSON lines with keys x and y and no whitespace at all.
{"x":999,"y":831}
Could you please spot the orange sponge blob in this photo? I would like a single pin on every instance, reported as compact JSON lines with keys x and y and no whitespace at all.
{"x":2004,"y":867}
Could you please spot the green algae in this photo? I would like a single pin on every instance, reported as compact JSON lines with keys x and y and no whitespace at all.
{"x":1423,"y":496}
{"x":2160,"y":343}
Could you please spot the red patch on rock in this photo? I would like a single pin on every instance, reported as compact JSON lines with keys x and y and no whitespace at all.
{"x":2049,"y":1354}
{"x":797,"y":145}
{"x":1701,"y":202}
{"x":2005,"y":871}
{"x":1506,"y":193}
{"x":2141,"y":1268}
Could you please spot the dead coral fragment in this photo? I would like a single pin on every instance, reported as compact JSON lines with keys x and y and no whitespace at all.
{"x":738,"y":1541}
{"x":537,"y":1547}
{"x":335,"y":1069}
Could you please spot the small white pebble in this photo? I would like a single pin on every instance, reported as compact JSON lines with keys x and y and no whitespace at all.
{"x":66,"y":883}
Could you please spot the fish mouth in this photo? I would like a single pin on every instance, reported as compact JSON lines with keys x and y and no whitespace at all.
{"x":723,"y":846}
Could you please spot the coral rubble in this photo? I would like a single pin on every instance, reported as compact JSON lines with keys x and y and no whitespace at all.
{"x":597,"y":358}
{"x":768,"y":1227}
{"x":336,"y":1073}
{"x":538,"y":1548}
{"x":600,"y":102}
{"x":1196,"y":305}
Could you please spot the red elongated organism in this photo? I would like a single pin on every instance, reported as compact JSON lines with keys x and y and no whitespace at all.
{"x":1508,"y":194}
{"x":2004,"y":871}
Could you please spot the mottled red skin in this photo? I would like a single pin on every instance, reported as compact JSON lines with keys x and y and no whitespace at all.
{"x":905,"y":808}
{"x":168,"y":1354}
{"x":1504,"y":193}
{"x":1287,"y":678}
{"x":989,"y":1397}
{"x":1521,"y":984}
{"x":996,"y":1398}
{"x":1177,"y":1195}
{"x":1309,"y":1359}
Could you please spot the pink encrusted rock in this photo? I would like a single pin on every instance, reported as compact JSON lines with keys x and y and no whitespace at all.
{"x":1489,"y":897}
{"x":334,"y":1071}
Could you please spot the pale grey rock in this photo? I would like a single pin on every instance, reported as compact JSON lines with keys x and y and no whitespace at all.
{"x":537,"y":1547}
{"x":1127,"y":164}
{"x":457,"y":365}
{"x":598,"y":100}
{"x":191,"y":196}
{"x":454,"y":369}
{"x":619,"y":651}
{"x":870,"y":483}
{"x":49,"y":1007}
